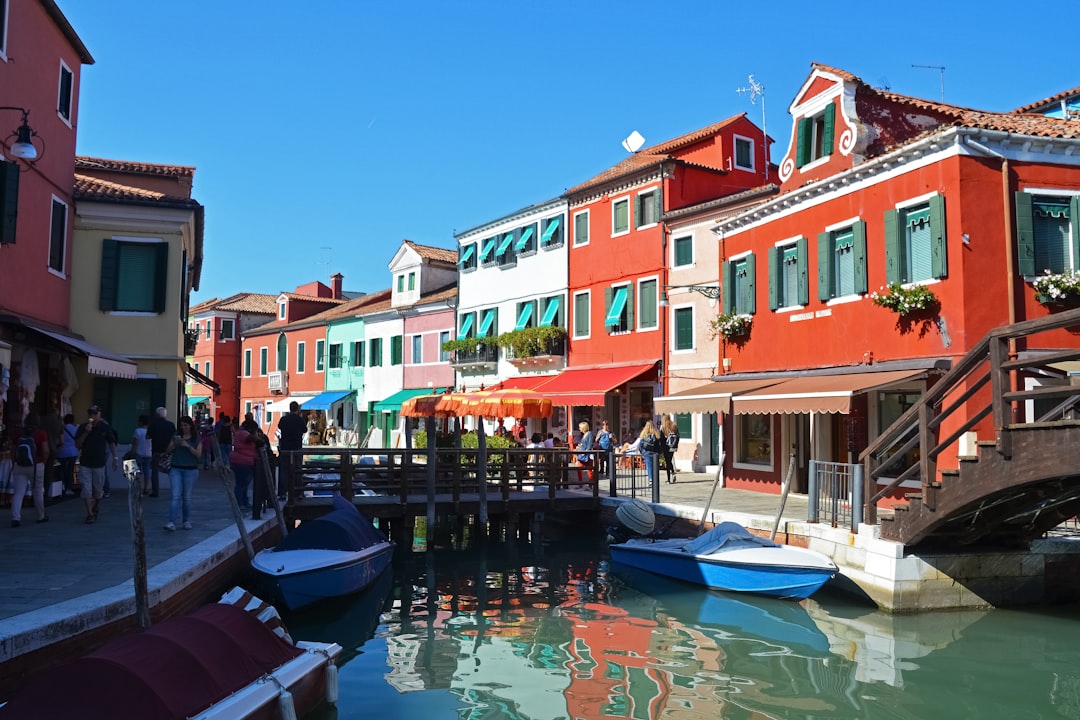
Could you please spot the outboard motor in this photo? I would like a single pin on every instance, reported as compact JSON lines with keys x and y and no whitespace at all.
{"x":637,"y":519}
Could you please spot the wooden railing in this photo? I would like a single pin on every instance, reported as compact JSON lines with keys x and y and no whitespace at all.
{"x":959,"y":393}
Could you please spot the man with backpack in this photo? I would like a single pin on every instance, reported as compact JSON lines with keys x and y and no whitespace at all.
{"x":28,"y":471}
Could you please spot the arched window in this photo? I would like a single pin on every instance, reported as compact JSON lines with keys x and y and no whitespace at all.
{"x":282,"y":352}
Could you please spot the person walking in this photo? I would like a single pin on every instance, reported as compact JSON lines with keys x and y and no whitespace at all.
{"x":28,"y":471}
{"x":585,"y":445}
{"x":186,"y":452}
{"x":97,"y":443}
{"x":292,"y":427}
{"x":604,"y":441}
{"x":143,"y":450}
{"x":160,"y":431}
{"x":670,"y":432}
{"x":68,"y":454}
{"x":651,"y":446}
{"x":242,"y":462}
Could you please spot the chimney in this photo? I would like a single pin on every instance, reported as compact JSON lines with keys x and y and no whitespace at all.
{"x":335,"y":285}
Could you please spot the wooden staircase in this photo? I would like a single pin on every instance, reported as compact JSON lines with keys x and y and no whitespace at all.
{"x":1017,"y":486}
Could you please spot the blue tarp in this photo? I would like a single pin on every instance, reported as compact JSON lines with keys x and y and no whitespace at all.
{"x":343,"y":528}
{"x":725,"y":535}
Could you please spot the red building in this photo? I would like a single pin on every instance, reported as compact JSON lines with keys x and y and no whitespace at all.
{"x":883,"y":196}
{"x":215,"y":330}
{"x":286,"y":359}
{"x":618,"y":264}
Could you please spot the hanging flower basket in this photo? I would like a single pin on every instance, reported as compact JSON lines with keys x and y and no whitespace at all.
{"x":731,"y":326}
{"x":1058,"y":288}
{"x":905,"y":300}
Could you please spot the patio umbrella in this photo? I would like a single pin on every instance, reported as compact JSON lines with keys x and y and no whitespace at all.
{"x":420,"y":406}
{"x":448,"y":404}
{"x":516,"y":402}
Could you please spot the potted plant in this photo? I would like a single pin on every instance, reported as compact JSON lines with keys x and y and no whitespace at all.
{"x":1058,"y":288}
{"x":731,"y":326}
{"x":905,"y":300}
{"x":530,"y":342}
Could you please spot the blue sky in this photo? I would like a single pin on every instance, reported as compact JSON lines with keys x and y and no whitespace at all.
{"x":325,"y":133}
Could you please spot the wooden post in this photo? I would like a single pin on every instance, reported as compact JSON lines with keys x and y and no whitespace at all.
{"x":271,"y":488}
{"x":138,"y":539}
{"x":227,"y":480}
{"x":432,"y":460}
{"x":481,"y":470}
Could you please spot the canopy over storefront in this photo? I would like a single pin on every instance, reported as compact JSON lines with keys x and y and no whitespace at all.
{"x":587,"y":386}
{"x":393,"y":403}
{"x":818,"y":393}
{"x":282,"y":406}
{"x":98,"y":360}
{"x":710,"y":397}
{"x":200,"y":378}
{"x":327,"y":399}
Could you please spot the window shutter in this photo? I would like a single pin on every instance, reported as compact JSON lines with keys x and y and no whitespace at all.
{"x":751,"y":292}
{"x":775,"y":277}
{"x":639,"y":210}
{"x":830,"y":123}
{"x":9,"y":201}
{"x":939,"y":254}
{"x":647,"y":311}
{"x":726,"y":284}
{"x":1074,"y":221}
{"x":161,"y":275}
{"x":630,"y":301}
{"x":656,"y":200}
{"x":803,"y":268}
{"x":607,"y":308}
{"x":858,"y":239}
{"x":802,"y":151}
{"x":107,"y":294}
{"x":892,"y":247}
{"x":825,"y":265}
{"x":1025,"y":235}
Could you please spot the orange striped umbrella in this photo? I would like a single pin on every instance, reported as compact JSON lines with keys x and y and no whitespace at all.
{"x":420,"y":406}
{"x":473,"y":403}
{"x":516,"y":402}
{"x":448,"y":404}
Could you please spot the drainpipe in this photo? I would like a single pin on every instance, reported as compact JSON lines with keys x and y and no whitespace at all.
{"x":1010,"y":265}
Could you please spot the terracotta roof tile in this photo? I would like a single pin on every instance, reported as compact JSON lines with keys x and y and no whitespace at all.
{"x":92,"y":163}
{"x":1040,"y":104}
{"x":258,"y":303}
{"x":312,"y":298}
{"x":434,"y":253}
{"x":88,"y":188}
{"x":655,"y":154}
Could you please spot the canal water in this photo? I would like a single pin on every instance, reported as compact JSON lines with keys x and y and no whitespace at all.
{"x":550,"y":629}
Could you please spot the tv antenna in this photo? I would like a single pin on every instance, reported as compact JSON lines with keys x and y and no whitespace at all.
{"x":329,"y":261}
{"x":756,"y":90}
{"x":939,"y":68}
{"x":633,"y":142}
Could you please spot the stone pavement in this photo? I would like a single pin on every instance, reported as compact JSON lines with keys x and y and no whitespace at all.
{"x":64,"y":576}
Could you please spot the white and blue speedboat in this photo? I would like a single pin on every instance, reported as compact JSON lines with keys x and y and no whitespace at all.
{"x":336,"y":554}
{"x":729,"y":557}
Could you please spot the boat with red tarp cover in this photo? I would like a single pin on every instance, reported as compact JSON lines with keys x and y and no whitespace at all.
{"x":218,"y":662}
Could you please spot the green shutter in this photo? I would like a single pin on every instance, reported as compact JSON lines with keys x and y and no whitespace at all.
{"x":1074,"y":221}
{"x":803,"y":268}
{"x":647,"y":310}
{"x":107,"y":294}
{"x":858,"y":239}
{"x":1025,"y":235}
{"x":608,"y":294}
{"x":939,"y":253}
{"x":751,"y":289}
{"x":630,"y":300}
{"x":825,"y":266}
{"x":161,"y":275}
{"x":802,"y":151}
{"x":684,"y":329}
{"x":776,"y":263}
{"x":830,"y":123}
{"x":639,"y":204}
{"x":727,"y":283}
{"x":893,"y":234}
{"x":9,"y":201}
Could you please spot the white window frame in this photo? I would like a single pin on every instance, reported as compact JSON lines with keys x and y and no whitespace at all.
{"x":650,"y":191}
{"x":247,"y":362}
{"x":675,"y":329}
{"x":629,"y":219}
{"x":735,"y":139}
{"x":320,"y":361}
{"x":222,"y":337}
{"x":444,"y":337}
{"x":736,"y":431}
{"x":301,"y":357}
{"x":639,"y":295}
{"x":588,"y":229}
{"x":674,"y":254}
{"x":61,"y":271}
{"x":573,"y":330}
{"x":281,"y":310}
{"x":71,"y":90}
{"x":209,"y":328}
{"x":264,"y":360}
{"x":207,"y":371}
{"x":416,"y":340}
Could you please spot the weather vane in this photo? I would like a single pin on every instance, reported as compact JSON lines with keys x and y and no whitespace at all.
{"x":756,"y":90}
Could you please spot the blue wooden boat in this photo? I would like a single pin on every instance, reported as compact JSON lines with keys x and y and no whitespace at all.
{"x":336,"y":554}
{"x":729,"y":557}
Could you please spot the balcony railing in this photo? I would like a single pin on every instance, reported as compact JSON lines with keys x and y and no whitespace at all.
{"x":191,"y":339}
{"x":553,"y":346}
{"x":482,"y":355}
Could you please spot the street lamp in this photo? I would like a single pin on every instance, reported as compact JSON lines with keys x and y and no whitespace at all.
{"x":710,"y":291}
{"x":23,"y":147}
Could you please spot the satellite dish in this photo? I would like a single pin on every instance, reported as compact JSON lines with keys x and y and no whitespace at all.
{"x":633,"y":142}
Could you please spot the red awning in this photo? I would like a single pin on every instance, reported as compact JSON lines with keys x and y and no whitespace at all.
{"x":587,"y":386}
{"x":818,"y":393}
{"x":522,"y":382}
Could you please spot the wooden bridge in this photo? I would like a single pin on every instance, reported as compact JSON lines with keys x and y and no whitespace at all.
{"x":1014,"y":487}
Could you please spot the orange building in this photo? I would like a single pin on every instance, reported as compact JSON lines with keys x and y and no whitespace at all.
{"x":886,"y":201}
{"x":618,"y":264}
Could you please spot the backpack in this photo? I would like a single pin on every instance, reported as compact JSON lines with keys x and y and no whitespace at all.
{"x":24,"y":451}
{"x":604,"y":440}
{"x":673,"y":441}
{"x":650,"y":443}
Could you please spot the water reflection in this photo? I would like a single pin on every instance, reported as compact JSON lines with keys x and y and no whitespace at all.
{"x":560,"y":635}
